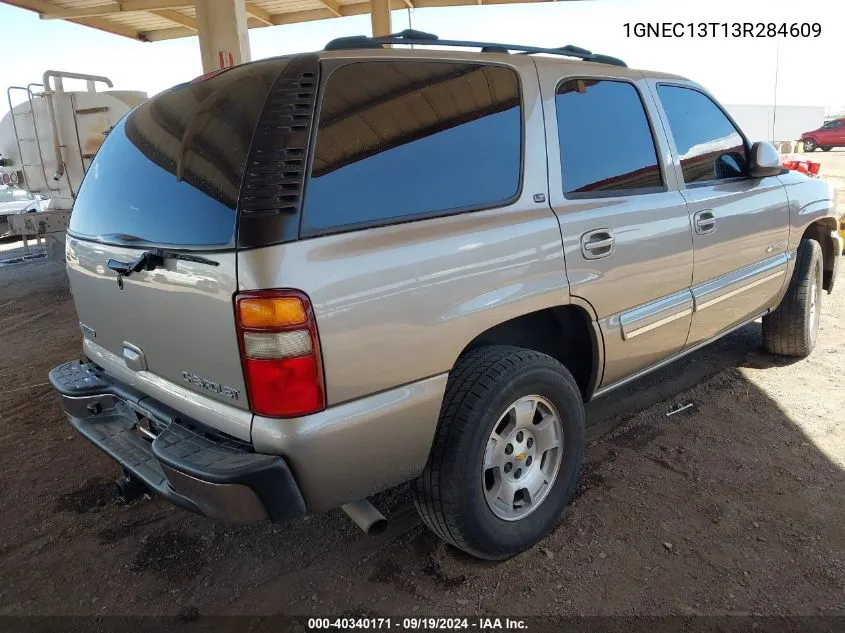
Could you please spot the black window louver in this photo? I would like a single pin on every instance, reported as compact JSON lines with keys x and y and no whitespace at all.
{"x":272,"y":188}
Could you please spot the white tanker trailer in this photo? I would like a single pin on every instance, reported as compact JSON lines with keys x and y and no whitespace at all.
{"x":48,"y":141}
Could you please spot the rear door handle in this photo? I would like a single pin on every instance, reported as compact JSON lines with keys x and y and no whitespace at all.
{"x":598,"y":243}
{"x":705,"y":222}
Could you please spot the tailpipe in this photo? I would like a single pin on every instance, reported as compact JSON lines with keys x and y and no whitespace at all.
{"x":366,"y":516}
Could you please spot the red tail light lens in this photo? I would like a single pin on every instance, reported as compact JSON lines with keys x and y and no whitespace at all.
{"x":280,"y":352}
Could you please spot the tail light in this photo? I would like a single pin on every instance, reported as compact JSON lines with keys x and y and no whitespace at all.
{"x":280,"y":351}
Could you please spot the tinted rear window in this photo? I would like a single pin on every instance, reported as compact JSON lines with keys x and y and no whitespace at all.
{"x":170,"y":172}
{"x":410,"y":139}
{"x":605,"y":139}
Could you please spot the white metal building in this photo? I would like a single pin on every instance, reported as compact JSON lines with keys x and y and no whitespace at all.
{"x":784,"y":123}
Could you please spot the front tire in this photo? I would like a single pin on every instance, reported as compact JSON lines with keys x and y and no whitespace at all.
{"x":793,"y":327}
{"x":810,"y":145}
{"x":507,"y":454}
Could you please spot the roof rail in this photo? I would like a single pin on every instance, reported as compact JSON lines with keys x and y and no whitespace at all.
{"x":421,"y":38}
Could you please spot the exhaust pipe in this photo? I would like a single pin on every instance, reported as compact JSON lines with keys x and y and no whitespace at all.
{"x":366,"y":516}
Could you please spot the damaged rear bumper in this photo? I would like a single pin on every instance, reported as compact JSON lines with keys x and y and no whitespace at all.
{"x":187,"y":464}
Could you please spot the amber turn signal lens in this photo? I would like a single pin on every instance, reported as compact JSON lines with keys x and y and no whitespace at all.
{"x":271,"y":312}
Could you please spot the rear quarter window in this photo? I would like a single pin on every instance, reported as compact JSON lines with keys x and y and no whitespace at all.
{"x":170,"y":171}
{"x":402,"y":140}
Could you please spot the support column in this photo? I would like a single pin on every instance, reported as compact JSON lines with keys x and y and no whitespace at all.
{"x":223,"y":33}
{"x":380,"y":17}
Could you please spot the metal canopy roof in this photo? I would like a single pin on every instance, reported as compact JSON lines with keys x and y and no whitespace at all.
{"x":152,"y":20}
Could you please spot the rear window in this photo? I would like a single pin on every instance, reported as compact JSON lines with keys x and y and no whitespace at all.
{"x":402,"y":140}
{"x":169,"y":173}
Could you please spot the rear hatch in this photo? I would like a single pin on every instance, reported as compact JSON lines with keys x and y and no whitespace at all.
{"x":166,"y":183}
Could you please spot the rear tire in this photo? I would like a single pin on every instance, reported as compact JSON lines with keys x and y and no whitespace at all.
{"x":826,"y":148}
{"x":507,"y":404}
{"x":793,"y":327}
{"x":810,"y":145}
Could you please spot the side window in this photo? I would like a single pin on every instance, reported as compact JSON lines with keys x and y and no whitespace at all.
{"x":605,"y":140}
{"x":399,"y":140}
{"x":709,"y":145}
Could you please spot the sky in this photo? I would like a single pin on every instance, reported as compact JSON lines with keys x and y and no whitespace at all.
{"x":788,"y":71}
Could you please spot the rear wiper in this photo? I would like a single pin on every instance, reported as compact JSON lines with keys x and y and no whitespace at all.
{"x":152,"y":259}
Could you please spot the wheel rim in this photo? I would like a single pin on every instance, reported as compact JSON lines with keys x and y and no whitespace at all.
{"x":809,"y":145}
{"x":522,"y":458}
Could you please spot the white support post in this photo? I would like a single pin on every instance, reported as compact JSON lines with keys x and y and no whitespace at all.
{"x":380,"y":17}
{"x":223,"y":33}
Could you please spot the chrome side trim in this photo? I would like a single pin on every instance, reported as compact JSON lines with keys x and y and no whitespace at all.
{"x":673,"y":358}
{"x":650,"y":316}
{"x":713,"y":291}
{"x":736,"y":291}
{"x":657,"y":324}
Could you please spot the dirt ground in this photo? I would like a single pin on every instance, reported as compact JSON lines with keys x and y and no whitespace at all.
{"x":733,"y":506}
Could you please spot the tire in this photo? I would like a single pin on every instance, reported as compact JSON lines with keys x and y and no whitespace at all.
{"x":453,"y":494}
{"x":792,"y":328}
{"x":810,"y":145}
{"x":826,"y":148}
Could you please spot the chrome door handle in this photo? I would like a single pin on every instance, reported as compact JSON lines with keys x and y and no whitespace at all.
{"x":705,"y":222}
{"x":597,"y":243}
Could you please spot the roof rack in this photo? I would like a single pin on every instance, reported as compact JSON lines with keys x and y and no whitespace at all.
{"x":421,"y":38}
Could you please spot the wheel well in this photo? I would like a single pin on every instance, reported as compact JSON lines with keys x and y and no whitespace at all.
{"x":820,"y":231}
{"x":563,"y":332}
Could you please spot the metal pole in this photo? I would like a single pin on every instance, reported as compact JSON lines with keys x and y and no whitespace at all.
{"x":380,"y":17}
{"x":775,"y":107}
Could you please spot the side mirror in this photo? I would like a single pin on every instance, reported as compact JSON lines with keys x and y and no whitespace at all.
{"x":765,"y":160}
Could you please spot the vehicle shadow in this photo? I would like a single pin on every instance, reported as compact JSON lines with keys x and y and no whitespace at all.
{"x":741,"y":348}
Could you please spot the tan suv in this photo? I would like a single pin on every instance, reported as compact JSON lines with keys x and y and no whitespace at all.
{"x":307,"y":279}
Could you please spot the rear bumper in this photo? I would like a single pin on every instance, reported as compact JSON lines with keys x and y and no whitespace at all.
{"x":186,"y":463}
